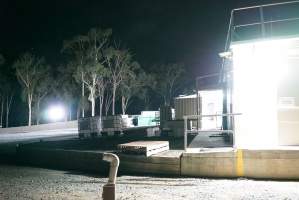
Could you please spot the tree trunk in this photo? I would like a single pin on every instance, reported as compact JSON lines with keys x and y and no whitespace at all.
{"x":92,"y":107}
{"x":8,"y":104}
{"x":83,"y":112}
{"x":107,"y":104}
{"x":7,"y":113}
{"x":37,"y":112}
{"x":78,"y":111}
{"x":101,"y":100}
{"x":70,"y":112}
{"x":106,"y":110}
{"x":29,"y":109}
{"x":29,"y":114}
{"x":123,"y":99}
{"x":113,"y":99}
{"x":1,"y":120}
{"x":146,"y":103}
{"x":101,"y":110}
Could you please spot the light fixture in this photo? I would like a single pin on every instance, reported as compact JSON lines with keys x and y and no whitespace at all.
{"x":56,"y":113}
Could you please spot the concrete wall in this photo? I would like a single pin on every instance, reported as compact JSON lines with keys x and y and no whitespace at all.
{"x":278,"y":164}
{"x":268,"y":164}
{"x":155,"y":164}
{"x":63,"y":159}
{"x":209,"y":164}
{"x":50,"y":126}
{"x":265,"y":164}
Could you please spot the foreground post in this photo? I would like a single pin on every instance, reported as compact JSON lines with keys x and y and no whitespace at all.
{"x":109,"y":188}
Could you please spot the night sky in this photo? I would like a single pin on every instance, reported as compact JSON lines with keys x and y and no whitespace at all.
{"x":192,"y":31}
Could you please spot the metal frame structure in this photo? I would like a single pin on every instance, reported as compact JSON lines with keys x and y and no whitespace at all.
{"x":198,"y":130}
{"x":261,"y":23}
{"x":225,"y":81}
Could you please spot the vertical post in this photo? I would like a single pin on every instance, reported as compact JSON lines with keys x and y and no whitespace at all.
{"x":185,"y":132}
{"x":234,"y":137}
{"x":232,"y":31}
{"x":263,"y":31}
{"x":224,"y":107}
{"x":198,"y":110}
{"x":82,"y":96}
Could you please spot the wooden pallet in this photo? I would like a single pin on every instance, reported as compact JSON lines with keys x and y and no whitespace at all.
{"x":146,"y":148}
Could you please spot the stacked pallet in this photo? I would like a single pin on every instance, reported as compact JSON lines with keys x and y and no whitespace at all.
{"x":146,"y":148}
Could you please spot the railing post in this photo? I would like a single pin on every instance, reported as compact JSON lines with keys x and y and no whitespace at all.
{"x":185,"y":132}
{"x":263,"y":31}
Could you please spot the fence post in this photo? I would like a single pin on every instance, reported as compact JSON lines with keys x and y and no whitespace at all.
{"x":185,"y":132}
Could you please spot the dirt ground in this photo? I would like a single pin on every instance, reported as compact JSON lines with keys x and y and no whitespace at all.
{"x":18,"y":182}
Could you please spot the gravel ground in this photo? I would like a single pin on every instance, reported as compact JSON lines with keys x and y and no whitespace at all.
{"x":18,"y":182}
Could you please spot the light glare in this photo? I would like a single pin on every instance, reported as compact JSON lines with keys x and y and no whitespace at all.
{"x":56,"y":113}
{"x":259,"y":67}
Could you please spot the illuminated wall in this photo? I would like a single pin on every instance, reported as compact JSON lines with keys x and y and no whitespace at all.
{"x":261,"y":80}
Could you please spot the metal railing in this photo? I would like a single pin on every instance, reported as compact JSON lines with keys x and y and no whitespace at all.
{"x":198,"y":130}
{"x":265,"y":17}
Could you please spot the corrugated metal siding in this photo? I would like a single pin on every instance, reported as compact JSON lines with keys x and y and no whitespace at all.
{"x":185,"y":106}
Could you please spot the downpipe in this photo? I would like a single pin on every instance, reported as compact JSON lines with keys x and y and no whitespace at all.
{"x":109,"y":188}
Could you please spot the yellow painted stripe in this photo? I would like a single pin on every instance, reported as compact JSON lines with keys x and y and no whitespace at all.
{"x":240,"y":163}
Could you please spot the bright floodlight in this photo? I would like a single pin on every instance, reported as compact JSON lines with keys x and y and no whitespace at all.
{"x":260,"y":69}
{"x":56,"y":113}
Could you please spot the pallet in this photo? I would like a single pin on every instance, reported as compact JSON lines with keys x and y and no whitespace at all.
{"x":146,"y":148}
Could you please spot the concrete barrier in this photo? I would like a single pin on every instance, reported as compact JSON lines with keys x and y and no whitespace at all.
{"x":222,"y":163}
{"x":87,"y":161}
{"x":277,"y":164}
{"x":265,"y":164}
{"x":41,"y":127}
{"x":209,"y":164}
{"x":91,"y":161}
{"x":163,"y":163}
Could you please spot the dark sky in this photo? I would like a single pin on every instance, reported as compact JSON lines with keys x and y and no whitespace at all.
{"x":157,"y":31}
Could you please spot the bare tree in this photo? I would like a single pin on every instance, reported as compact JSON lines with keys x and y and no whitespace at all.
{"x":42,"y":90}
{"x":29,"y":71}
{"x":93,"y":78}
{"x":102,"y":85}
{"x":8,"y":94}
{"x":91,"y":67}
{"x":94,"y":71}
{"x":147,"y":82}
{"x":133,"y":85}
{"x":107,"y":99}
{"x":76,"y":48}
{"x":67,"y":88}
{"x":9,"y":99}
{"x":167,"y":77}
{"x":119,"y":64}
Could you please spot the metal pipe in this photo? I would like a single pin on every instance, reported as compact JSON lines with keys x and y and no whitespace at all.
{"x":207,"y":76}
{"x":267,"y":22}
{"x":114,"y":163}
{"x":215,"y":115}
{"x":210,"y":131}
